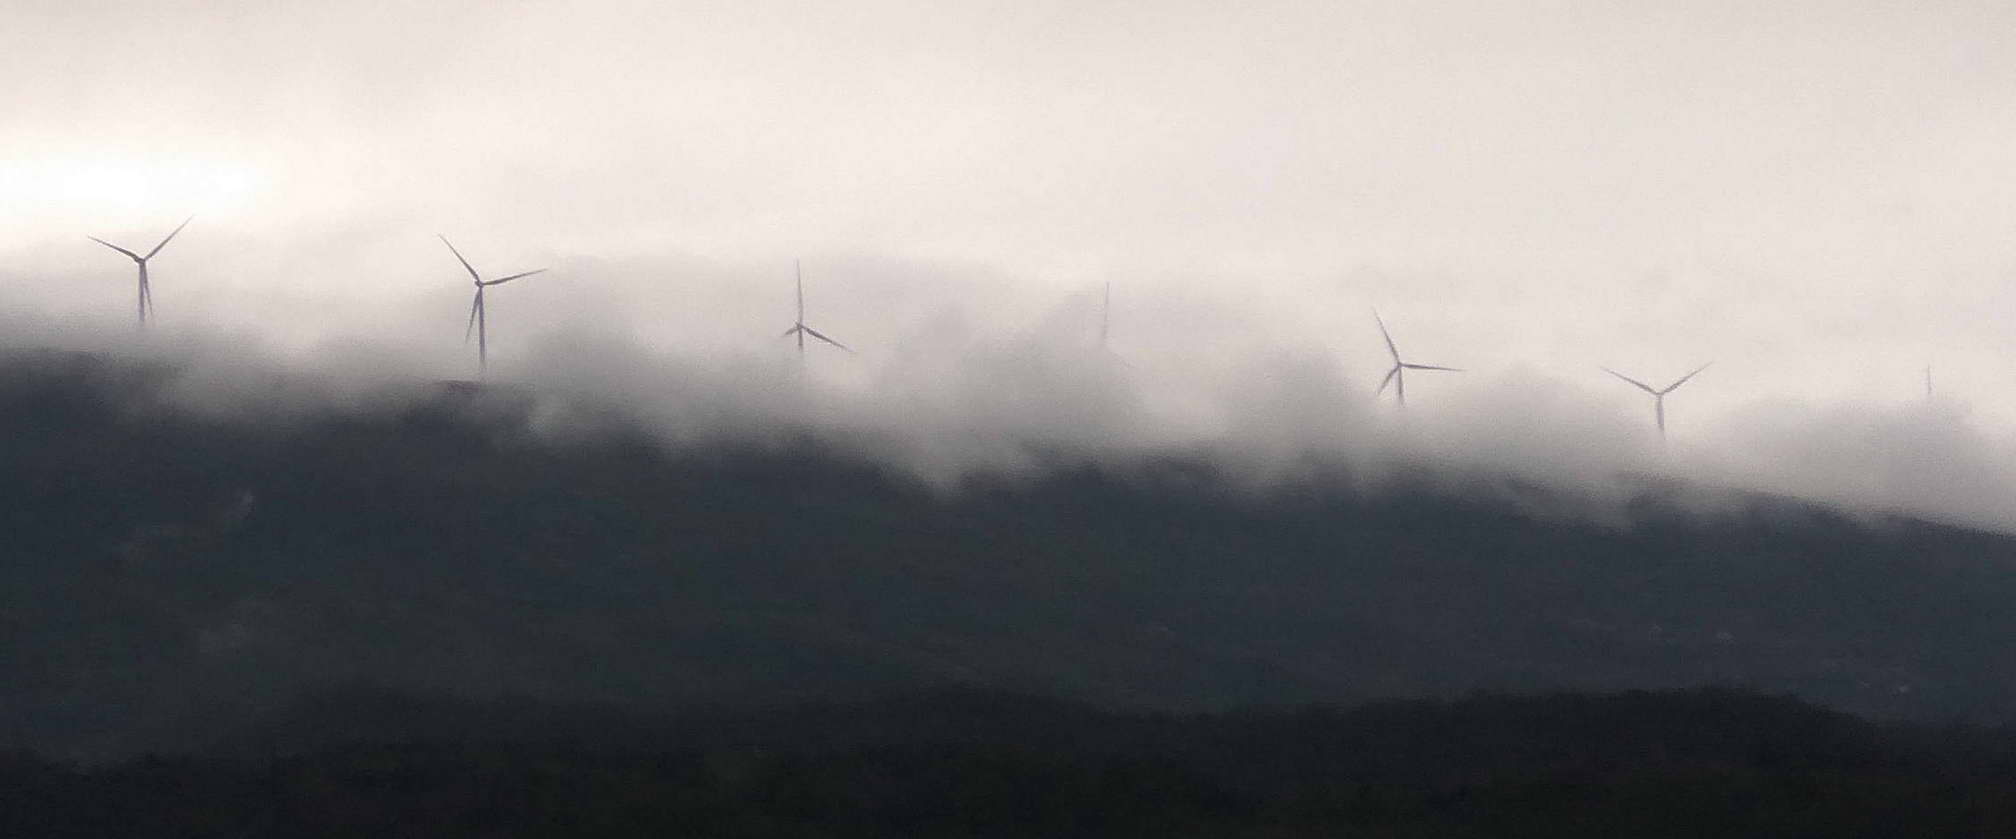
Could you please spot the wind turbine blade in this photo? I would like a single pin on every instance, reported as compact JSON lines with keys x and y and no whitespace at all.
{"x":1387,"y":335}
{"x":171,"y":235}
{"x":504,"y":280}
{"x":147,"y":295}
{"x":815,"y":333}
{"x":474,"y":304}
{"x":1388,"y":380}
{"x":1431,"y":367}
{"x":1683,"y":379}
{"x":1635,"y":383}
{"x":790,"y":332}
{"x":136,"y":257}
{"x":458,"y":257}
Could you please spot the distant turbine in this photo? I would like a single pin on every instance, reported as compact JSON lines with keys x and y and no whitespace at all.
{"x":1105,"y":313}
{"x":478,"y":318}
{"x":1928,"y":382}
{"x":798,"y":327}
{"x":1398,"y":375}
{"x":146,"y":291}
{"x":1658,"y":394}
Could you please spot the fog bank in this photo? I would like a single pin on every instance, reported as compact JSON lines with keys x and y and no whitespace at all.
{"x":961,"y":371}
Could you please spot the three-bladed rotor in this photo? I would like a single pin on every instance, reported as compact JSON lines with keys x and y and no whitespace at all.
{"x":146,"y":290}
{"x":1659,"y":394}
{"x":478,"y":316}
{"x":798,"y":327}
{"x":1397,"y":375}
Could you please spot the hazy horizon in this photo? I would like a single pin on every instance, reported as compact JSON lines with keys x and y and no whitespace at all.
{"x":1807,"y":198}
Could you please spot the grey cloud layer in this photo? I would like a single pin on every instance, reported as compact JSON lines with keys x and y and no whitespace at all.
{"x":1814,"y":198}
{"x":968,"y":371}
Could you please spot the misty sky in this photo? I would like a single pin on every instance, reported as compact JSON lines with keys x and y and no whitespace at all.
{"x":1815,"y":196}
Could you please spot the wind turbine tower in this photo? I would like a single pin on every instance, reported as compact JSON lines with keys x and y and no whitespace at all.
{"x":798,"y":327}
{"x":478,"y":318}
{"x":1397,"y":376}
{"x":1658,"y":394}
{"x":146,"y":292}
{"x":1105,"y":314}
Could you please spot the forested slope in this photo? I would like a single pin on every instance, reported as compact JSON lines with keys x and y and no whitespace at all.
{"x":169,"y":574}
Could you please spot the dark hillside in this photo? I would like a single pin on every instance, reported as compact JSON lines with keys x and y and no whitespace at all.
{"x":169,"y":574}
{"x":973,"y":763}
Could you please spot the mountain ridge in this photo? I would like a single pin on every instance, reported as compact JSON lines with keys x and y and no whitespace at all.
{"x":171,"y":566}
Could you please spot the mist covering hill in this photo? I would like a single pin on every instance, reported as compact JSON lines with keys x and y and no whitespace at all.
{"x":171,"y":577}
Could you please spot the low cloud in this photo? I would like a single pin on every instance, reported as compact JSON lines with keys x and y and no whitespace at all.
{"x":962,"y":371}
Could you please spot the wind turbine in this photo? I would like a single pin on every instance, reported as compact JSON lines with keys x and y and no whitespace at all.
{"x":798,"y":327}
{"x":1658,"y":394}
{"x":146,"y":291}
{"x":1398,"y":375}
{"x":1105,"y":314}
{"x":478,"y":320}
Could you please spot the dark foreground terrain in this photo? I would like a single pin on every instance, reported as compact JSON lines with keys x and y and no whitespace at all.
{"x":966,"y":763}
{"x":168,"y":575}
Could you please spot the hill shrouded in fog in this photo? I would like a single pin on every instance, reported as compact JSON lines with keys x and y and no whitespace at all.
{"x":172,"y":576}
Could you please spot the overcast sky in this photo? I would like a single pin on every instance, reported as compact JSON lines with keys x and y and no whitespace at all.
{"x":1816,"y":196}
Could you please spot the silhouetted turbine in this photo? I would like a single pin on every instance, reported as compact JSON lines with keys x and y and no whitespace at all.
{"x":1398,"y":375}
{"x":798,"y":327}
{"x":146,"y":293}
{"x":1658,"y":394}
{"x":1105,"y":313}
{"x":478,"y":318}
